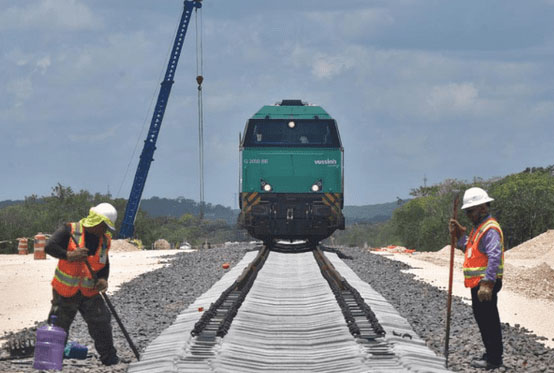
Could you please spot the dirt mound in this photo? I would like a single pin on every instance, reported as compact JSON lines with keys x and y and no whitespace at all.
{"x":535,"y":282}
{"x":540,"y":248}
{"x":122,"y":245}
{"x":162,"y":244}
{"x":445,"y":253}
{"x":529,"y":267}
{"x":442,"y":257}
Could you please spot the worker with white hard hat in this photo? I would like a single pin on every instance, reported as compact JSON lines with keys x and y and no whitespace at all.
{"x":483,"y":270}
{"x":73,"y":286}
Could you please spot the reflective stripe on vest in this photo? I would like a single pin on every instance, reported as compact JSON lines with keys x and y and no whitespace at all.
{"x":475,"y":262}
{"x":85,"y":282}
{"x":71,"y":277}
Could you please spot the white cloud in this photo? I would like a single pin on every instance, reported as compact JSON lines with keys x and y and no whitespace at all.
{"x":452,"y":97}
{"x":353,"y":22}
{"x":21,"y":89}
{"x":68,"y":15}
{"x":93,"y":138}
{"x":326,"y":66}
{"x":16,"y":56}
{"x":43,"y":64}
{"x":543,"y":111}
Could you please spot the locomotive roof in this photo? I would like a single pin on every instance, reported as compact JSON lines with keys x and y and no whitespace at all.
{"x":295,"y":111}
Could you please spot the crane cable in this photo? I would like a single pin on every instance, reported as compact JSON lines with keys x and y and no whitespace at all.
{"x":199,"y":80}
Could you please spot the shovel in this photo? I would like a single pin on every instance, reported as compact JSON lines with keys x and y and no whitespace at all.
{"x":111,"y":307}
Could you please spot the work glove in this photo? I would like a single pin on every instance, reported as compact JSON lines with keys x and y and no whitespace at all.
{"x":101,"y":285}
{"x":457,"y":228}
{"x":80,"y":254}
{"x":484,"y":294}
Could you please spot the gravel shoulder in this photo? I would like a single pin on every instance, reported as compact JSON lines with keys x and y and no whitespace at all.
{"x":424,"y":306}
{"x":151,"y":301}
{"x":25,"y":282}
{"x":514,"y":305}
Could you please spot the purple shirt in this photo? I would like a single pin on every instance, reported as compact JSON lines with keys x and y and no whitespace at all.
{"x":489,"y":245}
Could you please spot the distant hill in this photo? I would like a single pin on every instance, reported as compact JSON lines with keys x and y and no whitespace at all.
{"x":370,"y":213}
{"x":8,"y":203}
{"x":178,"y":207}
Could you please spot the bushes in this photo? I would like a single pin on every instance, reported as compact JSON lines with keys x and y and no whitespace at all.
{"x":374,"y":235}
{"x":46,"y":214}
{"x":186,"y":228}
{"x":523,"y":205}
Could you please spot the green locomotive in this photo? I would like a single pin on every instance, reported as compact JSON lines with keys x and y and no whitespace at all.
{"x":291,"y":174}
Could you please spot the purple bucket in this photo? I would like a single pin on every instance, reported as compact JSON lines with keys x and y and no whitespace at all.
{"x":49,"y":346}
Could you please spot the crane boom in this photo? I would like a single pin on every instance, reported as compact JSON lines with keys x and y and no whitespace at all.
{"x":147,"y":155}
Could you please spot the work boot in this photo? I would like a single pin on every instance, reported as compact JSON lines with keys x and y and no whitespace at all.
{"x":481,"y":358}
{"x":113,"y":360}
{"x":483,"y":364}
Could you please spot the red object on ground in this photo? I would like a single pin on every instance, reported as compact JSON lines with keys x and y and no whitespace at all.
{"x":200,"y":309}
{"x":225,"y":265}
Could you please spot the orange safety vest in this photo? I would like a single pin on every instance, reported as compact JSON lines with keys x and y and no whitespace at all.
{"x":71,"y":277}
{"x":475,"y":263}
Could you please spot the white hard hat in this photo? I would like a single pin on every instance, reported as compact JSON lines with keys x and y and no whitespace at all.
{"x":475,"y":197}
{"x":109,"y":212}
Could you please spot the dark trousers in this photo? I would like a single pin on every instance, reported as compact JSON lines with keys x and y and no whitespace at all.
{"x":488,"y":320}
{"x":94,"y":312}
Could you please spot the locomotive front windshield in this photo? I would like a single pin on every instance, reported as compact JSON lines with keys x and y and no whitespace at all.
{"x":320,"y":133}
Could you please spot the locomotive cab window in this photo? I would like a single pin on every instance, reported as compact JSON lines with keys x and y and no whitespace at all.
{"x":284,"y":132}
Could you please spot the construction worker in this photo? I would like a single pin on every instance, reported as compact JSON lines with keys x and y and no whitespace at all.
{"x":73,"y":285}
{"x":483,"y":269}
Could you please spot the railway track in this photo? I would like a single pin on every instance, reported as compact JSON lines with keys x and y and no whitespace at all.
{"x":289,"y":312}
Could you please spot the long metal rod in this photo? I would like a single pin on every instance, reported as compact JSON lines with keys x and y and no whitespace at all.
{"x":450,"y":278}
{"x":111,"y":307}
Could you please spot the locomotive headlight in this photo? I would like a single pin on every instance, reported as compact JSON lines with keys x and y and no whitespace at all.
{"x":292,"y":124}
{"x":265,"y":186}
{"x":317,"y":186}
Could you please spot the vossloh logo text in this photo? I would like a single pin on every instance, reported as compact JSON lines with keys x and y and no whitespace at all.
{"x":326,"y":161}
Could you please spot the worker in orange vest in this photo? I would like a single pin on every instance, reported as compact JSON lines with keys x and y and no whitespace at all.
{"x":73,"y":285}
{"x":483,"y":271}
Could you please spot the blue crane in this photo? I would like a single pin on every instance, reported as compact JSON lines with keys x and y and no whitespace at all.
{"x":147,"y":155}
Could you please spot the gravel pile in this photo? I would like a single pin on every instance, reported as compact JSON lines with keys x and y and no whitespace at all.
{"x":147,"y":305}
{"x":150,"y":303}
{"x":424,"y":306}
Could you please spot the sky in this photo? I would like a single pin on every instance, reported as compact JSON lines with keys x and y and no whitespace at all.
{"x":422,"y":91}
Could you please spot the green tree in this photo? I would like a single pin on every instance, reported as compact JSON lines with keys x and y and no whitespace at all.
{"x":524,"y":205}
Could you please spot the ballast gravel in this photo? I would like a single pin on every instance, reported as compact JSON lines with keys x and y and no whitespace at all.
{"x":150,"y":303}
{"x":424,"y":306}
